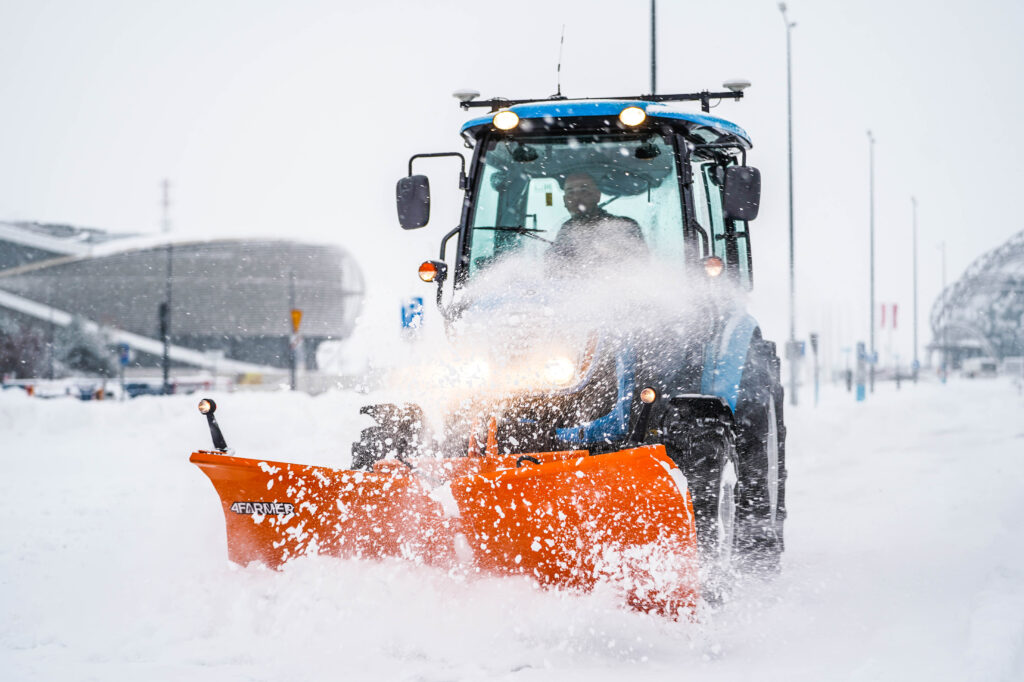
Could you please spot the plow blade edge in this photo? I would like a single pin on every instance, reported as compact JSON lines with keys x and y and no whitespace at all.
{"x":565,"y":519}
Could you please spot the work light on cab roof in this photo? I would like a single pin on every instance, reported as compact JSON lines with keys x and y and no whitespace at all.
{"x":506,"y":120}
{"x":632,"y":116}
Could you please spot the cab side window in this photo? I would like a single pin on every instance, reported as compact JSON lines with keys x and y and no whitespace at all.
{"x":708,"y":182}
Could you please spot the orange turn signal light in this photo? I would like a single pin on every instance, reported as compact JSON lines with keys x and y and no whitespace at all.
{"x":648,"y":395}
{"x":714,"y":266}
{"x":428,"y":271}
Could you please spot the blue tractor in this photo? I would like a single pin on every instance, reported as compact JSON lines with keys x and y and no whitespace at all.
{"x":632,"y":195}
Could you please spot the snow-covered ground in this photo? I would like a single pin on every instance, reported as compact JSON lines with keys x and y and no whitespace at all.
{"x":905,"y":559}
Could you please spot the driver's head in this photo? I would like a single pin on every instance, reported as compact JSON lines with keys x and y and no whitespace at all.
{"x":581,"y":194}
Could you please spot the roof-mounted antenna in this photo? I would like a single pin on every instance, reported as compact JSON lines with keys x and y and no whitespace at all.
{"x":558,"y":93}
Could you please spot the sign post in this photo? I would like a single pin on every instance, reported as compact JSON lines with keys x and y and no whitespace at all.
{"x":296,"y":315}
{"x":862,"y":361}
{"x":814,"y":348}
{"x":124,"y":356}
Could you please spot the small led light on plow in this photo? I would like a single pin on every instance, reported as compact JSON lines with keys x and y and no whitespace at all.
{"x":505,"y":120}
{"x":632,"y":116}
{"x":428,"y":271}
{"x":713,"y":265}
{"x":648,"y":395}
{"x":207,"y":406}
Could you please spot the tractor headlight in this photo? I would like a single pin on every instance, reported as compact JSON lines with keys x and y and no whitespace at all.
{"x":545,"y":370}
{"x":559,"y":370}
{"x":475,"y":373}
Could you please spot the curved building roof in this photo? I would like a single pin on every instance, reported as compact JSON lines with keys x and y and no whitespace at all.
{"x":223,"y":287}
{"x":985,"y":307}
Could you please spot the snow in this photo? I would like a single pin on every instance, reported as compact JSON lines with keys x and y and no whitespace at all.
{"x":905,"y":559}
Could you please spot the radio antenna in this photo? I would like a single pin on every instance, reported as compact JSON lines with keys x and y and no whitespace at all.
{"x":558,"y":94}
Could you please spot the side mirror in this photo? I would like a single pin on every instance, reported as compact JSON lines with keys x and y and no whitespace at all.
{"x":413,"y":198}
{"x":742,"y":192}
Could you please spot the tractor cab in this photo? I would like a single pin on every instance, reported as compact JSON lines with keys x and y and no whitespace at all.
{"x":569,"y":185}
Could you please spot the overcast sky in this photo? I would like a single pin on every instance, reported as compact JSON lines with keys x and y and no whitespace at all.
{"x":295,"y":119}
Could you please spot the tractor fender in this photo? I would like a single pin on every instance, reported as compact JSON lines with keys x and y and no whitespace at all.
{"x":726,"y":356}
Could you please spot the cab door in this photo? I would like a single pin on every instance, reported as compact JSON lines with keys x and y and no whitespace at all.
{"x":728,"y":239}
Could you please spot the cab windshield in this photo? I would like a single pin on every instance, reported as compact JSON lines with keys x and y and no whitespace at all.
{"x":559,"y":198}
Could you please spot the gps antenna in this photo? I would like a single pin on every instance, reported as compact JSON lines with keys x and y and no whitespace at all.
{"x":561,"y":42}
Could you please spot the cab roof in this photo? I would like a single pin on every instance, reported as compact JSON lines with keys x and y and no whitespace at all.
{"x":610,"y":108}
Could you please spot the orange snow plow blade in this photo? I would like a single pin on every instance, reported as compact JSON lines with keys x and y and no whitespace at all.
{"x":566,"y":519}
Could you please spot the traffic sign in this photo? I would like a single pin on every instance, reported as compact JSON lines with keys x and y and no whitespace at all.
{"x":124,"y":354}
{"x":412,"y":312}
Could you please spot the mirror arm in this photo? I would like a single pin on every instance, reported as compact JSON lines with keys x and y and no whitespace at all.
{"x":446,"y":239}
{"x":463,"y":183}
{"x":702,"y":233}
{"x":441,"y":256}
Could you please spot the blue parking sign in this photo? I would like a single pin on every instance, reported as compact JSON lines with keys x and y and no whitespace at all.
{"x":124,"y":354}
{"x":412,"y":312}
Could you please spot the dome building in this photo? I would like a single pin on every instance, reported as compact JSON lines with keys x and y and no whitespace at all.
{"x":982,"y":313}
{"x":230,"y":299}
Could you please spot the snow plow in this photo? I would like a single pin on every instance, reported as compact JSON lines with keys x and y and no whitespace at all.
{"x":618,"y":418}
{"x":564,"y":519}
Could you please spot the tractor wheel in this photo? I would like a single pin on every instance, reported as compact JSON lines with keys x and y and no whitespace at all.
{"x":709,"y":462}
{"x":714,"y":494}
{"x":707,"y":456}
{"x":399,"y":432}
{"x":761,"y":457}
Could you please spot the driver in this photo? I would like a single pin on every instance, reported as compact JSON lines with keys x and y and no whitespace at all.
{"x":591,"y":230}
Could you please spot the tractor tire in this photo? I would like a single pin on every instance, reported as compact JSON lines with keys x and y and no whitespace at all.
{"x":706,"y":454}
{"x":399,"y":432}
{"x":713,"y":489}
{"x":761,"y":459}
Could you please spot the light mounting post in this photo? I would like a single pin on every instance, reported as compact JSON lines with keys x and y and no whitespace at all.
{"x":704,"y":97}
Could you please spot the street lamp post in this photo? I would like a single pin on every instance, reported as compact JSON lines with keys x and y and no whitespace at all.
{"x":791,"y":346}
{"x":871,"y":191}
{"x":944,"y":318}
{"x":913,"y":202}
{"x":165,"y":306}
{"x":165,"y":321}
{"x":654,"y":51}
{"x":293,"y":342}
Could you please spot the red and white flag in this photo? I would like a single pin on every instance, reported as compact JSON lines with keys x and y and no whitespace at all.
{"x":895,"y":309}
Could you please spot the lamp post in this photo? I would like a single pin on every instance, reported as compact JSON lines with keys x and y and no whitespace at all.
{"x":294,"y":341}
{"x":165,"y":306}
{"x":944,"y":372}
{"x":871,"y":196}
{"x":913,"y":203}
{"x":654,"y":52}
{"x":791,"y":346}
